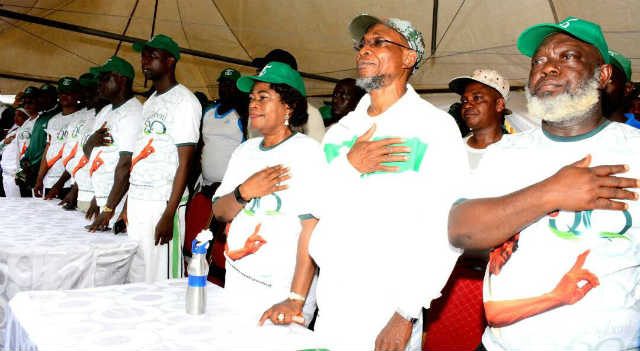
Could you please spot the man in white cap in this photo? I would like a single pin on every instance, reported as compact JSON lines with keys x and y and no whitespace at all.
{"x":381,"y":241}
{"x":483,"y":96}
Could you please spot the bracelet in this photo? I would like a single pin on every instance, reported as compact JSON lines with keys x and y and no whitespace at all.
{"x":238,"y":196}
{"x":296,"y":297}
{"x":107,"y":209}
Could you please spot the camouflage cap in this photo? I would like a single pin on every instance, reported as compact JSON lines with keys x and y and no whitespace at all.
{"x":361,"y":23}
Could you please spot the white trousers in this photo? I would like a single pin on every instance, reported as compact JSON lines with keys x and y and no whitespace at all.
{"x":11,"y":189}
{"x":154,"y":262}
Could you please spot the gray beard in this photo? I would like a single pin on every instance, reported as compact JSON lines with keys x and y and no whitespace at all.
{"x":370,"y":83}
{"x":566,"y":108}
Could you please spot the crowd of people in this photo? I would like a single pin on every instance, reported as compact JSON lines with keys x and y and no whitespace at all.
{"x":349,"y":219}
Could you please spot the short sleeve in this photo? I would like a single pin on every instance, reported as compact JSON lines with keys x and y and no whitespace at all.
{"x":186,"y":125}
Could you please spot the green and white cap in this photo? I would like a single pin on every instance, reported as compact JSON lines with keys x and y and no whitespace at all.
{"x":117,"y":65}
{"x":229,"y":73}
{"x":361,"y":23}
{"x":274,"y":72}
{"x":68,"y":85}
{"x":162,"y":42}
{"x":589,"y":32}
{"x":618,"y":60}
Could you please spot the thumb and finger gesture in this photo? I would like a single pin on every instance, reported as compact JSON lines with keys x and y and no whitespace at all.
{"x":369,"y":156}
{"x":579,"y":187}
{"x":577,"y":282}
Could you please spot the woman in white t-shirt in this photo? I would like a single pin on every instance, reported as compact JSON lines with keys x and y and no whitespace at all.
{"x":267,"y":194}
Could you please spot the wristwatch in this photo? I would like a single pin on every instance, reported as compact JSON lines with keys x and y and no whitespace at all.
{"x":238,"y":196}
{"x":407,"y":316}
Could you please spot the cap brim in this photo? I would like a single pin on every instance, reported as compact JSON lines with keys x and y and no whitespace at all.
{"x":359,"y":25}
{"x":245,"y":84}
{"x":458,"y":84}
{"x":532,"y":37}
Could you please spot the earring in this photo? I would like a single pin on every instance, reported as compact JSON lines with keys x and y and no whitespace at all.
{"x":286,"y":120}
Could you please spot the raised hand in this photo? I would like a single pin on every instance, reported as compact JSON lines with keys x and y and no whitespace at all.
{"x":265,"y":182}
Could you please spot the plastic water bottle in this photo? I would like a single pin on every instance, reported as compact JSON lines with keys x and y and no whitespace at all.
{"x":198,"y":270}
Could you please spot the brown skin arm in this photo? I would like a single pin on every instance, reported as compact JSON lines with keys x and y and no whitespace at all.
{"x":164,"y":228}
{"x":395,"y":335}
{"x":55,"y":189}
{"x":302,"y":278}
{"x":576,"y":187}
{"x":567,"y":292}
{"x":39,"y":187}
{"x":120,"y":187}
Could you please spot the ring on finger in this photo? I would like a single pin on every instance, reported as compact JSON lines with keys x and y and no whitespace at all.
{"x":280,"y":317}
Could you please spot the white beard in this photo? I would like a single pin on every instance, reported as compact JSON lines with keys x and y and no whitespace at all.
{"x":566,"y":107}
{"x":370,"y":83}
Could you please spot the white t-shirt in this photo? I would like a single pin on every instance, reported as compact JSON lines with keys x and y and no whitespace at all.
{"x":607,"y":317}
{"x":72,"y":157}
{"x":381,"y":242}
{"x":125,"y":126}
{"x":279,"y":214}
{"x":171,"y":119}
{"x":23,"y":135}
{"x":10,"y":157}
{"x":475,"y":155}
{"x":57,"y":134}
{"x":221,"y":134}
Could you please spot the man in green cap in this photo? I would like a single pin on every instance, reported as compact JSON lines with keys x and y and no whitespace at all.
{"x":53,"y":180}
{"x":160,"y":165}
{"x":392,"y":163}
{"x":116,"y":130}
{"x":618,"y":93}
{"x":30,"y":162}
{"x":562,"y":215}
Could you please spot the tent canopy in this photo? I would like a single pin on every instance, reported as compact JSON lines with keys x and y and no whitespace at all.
{"x":469,"y":34}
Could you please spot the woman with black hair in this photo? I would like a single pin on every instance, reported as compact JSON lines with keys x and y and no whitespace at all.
{"x":268,"y":192}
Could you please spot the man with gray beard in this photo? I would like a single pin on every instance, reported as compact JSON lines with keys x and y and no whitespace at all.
{"x":565,"y":269}
{"x":381,"y":241}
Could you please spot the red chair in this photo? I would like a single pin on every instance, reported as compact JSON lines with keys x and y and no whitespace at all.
{"x":456,"y":321}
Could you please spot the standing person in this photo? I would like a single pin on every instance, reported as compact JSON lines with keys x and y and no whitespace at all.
{"x":381,"y":242}
{"x":345,"y":98}
{"x":618,"y":93}
{"x":268,"y":192}
{"x":222,"y":132}
{"x":10,"y":153}
{"x":53,"y":180}
{"x":563,"y":212}
{"x":111,"y":146}
{"x":483,"y":96}
{"x":160,"y":165}
{"x":314,"y":126}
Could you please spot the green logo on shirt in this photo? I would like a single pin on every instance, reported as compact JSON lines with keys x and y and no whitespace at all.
{"x":269,"y":204}
{"x":582,"y":223}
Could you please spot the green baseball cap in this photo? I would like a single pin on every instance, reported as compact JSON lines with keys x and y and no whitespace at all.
{"x":274,"y":72}
{"x":31,"y":91}
{"x":48,"y":88}
{"x":68,"y":85}
{"x":117,"y":65}
{"x":621,"y":62}
{"x":88,"y":80}
{"x":361,"y":23}
{"x":162,"y":42}
{"x":229,"y":73}
{"x":589,"y":32}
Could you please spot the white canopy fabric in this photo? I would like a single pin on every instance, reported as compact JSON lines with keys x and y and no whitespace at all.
{"x":470,"y":34}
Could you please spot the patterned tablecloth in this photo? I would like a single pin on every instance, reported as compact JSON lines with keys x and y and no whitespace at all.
{"x":43,"y":247}
{"x":140,"y":317}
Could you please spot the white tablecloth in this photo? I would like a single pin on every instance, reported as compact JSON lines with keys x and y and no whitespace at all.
{"x":140,"y":317}
{"x":43,"y":247}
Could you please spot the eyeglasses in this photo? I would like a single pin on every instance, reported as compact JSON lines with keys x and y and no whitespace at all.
{"x":376,"y":43}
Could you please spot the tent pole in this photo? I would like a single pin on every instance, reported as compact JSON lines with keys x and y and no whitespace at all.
{"x":114,"y":36}
{"x":434,"y":27}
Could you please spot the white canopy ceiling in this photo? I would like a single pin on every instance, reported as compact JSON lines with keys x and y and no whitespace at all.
{"x":470,"y":34}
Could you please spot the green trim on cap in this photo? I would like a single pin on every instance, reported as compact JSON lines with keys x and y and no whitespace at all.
{"x":274,"y":72}
{"x":117,"y":65}
{"x":618,"y":60}
{"x":589,"y":32}
{"x":162,"y":42}
{"x":230,"y":74}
